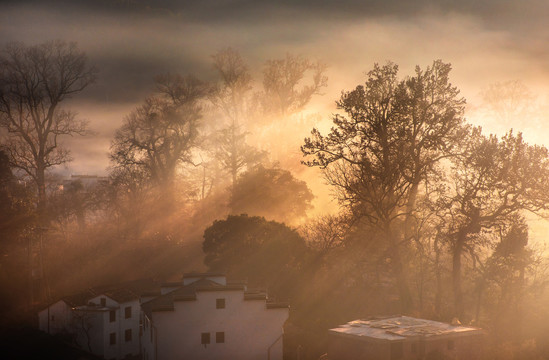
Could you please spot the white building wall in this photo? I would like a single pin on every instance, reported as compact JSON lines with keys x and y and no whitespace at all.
{"x":89,"y":329}
{"x":249,"y":328}
{"x":130,"y":347}
{"x":147,"y":340}
{"x":121,"y":348}
{"x":55,"y":319}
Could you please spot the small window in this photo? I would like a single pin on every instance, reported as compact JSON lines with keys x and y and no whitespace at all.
{"x":450,"y":345}
{"x":220,"y":337}
{"x":103,"y":302}
{"x":53,"y":318}
{"x":220,"y":303}
{"x":112,"y":339}
{"x":112,"y":315}
{"x":128,"y":312}
{"x":128,"y":335}
{"x":205,"y":338}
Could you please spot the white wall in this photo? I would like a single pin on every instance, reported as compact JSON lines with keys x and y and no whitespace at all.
{"x":55,"y":318}
{"x":249,"y":327}
{"x":89,"y":325}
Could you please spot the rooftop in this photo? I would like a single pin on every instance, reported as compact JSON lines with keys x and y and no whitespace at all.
{"x":400,"y":328}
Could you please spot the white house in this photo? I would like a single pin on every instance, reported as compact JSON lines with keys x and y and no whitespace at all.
{"x":207,"y":318}
{"x":104,"y":321}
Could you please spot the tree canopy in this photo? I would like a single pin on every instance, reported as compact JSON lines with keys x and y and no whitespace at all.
{"x":266,"y":253}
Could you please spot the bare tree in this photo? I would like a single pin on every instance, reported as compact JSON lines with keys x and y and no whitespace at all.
{"x":34,"y":80}
{"x":232,"y":97}
{"x":160,"y":134}
{"x":285,"y":87}
{"x":394,"y":135}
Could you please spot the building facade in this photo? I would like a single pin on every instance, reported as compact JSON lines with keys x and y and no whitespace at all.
{"x":206,"y":318}
{"x":104,"y":322}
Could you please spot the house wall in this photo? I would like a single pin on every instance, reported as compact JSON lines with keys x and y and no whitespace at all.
{"x":55,"y":318}
{"x":88,"y":326}
{"x":346,"y":348}
{"x":121,"y":348}
{"x":147,"y":343}
{"x":459,"y":346}
{"x":130,"y":347}
{"x":249,"y":328}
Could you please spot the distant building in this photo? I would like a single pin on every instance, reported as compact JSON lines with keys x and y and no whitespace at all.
{"x":207,"y":318}
{"x":403,"y":338}
{"x":87,"y":181}
{"x":104,"y":321}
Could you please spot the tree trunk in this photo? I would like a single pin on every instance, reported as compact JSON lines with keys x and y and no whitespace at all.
{"x":41,"y":186}
{"x":405,"y":295}
{"x":456,"y":275}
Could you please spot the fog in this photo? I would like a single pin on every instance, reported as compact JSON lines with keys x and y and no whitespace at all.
{"x":490,"y":45}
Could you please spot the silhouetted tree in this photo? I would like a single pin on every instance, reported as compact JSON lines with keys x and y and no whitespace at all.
{"x":267,"y":253}
{"x":34,"y":81}
{"x":287,"y":88}
{"x":233,"y":97}
{"x":392,"y":139}
{"x":160,"y":135}
{"x":493,"y":181}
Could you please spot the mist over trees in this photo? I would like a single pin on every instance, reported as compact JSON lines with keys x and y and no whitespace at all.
{"x":34,"y":80}
{"x":431,"y":215}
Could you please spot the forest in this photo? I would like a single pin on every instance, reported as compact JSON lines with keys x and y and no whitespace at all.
{"x":399,"y":206}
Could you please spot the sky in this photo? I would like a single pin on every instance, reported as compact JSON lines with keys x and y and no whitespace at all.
{"x":130,"y":42}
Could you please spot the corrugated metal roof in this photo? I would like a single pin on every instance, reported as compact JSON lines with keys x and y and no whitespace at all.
{"x":399,"y":328}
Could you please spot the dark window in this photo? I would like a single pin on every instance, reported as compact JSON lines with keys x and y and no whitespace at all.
{"x":53,"y":318}
{"x":103,"y":302}
{"x":414,"y":348}
{"x":128,"y":312}
{"x":205,"y":338}
{"x":112,"y":315}
{"x":219,"y":337}
{"x":220,"y":303}
{"x":128,"y":335}
{"x":450,"y":344}
{"x":112,"y":339}
{"x":396,"y":351}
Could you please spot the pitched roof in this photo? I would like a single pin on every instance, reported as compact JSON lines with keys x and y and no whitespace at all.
{"x":121,"y":292}
{"x":186,"y":293}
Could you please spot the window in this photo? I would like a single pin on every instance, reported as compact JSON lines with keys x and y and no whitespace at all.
{"x":450,"y":345}
{"x":112,"y":339}
{"x":219,"y":337}
{"x":205,"y":338}
{"x":220,"y":303}
{"x":128,"y":312}
{"x":396,"y":351}
{"x":112,"y":315}
{"x":53,"y":318}
{"x":128,"y":335}
{"x":103,"y":302}
{"x":414,"y":348}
